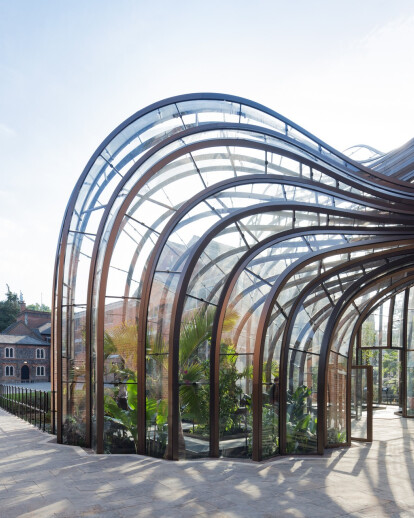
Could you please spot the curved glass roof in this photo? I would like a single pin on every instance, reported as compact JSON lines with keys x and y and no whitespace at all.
{"x":204,"y":251}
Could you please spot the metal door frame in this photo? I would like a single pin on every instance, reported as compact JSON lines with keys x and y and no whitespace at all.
{"x":370,"y":389}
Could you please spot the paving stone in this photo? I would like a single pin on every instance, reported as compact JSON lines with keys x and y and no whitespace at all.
{"x":41,"y":478}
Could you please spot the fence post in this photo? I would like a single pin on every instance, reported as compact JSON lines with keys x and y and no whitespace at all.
{"x":44,"y":413}
{"x":30,"y":405}
{"x":53,"y":407}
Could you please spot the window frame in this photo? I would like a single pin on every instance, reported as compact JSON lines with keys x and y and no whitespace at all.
{"x":9,"y":352}
{"x":9,"y":370}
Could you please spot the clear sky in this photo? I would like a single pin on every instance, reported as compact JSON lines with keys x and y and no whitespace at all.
{"x":70,"y":72}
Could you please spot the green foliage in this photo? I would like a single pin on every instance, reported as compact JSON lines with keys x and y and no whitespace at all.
{"x":109,"y":345}
{"x":38,"y":307}
{"x":127,"y":418}
{"x":368,"y":334}
{"x":194,"y":395}
{"x":336,"y":436}
{"x":270,"y":430}
{"x":390,"y":363}
{"x":391,"y":366}
{"x":229,"y":390}
{"x":9,"y":309}
{"x":300,"y":423}
{"x":194,"y":333}
{"x":194,"y":374}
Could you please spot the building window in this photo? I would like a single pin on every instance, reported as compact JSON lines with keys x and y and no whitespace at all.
{"x":40,"y":353}
{"x":40,"y":371}
{"x":9,"y":352}
{"x":9,"y":370}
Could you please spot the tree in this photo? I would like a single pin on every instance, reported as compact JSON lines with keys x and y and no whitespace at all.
{"x":9,"y":309}
{"x":38,"y":307}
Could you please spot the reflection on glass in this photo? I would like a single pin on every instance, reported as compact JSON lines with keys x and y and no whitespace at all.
{"x":74,"y":378}
{"x":270,"y":410}
{"x":336,"y":403}
{"x":120,"y":378}
{"x":410,"y":383}
{"x":235,"y":418}
{"x":301,"y":403}
{"x":120,"y":407}
{"x":397,"y":321}
{"x":359,"y":415}
{"x":158,"y":188}
{"x":156,"y":391}
{"x":193,"y":381}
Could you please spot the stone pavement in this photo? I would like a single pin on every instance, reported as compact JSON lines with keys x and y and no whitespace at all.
{"x":40,"y":479}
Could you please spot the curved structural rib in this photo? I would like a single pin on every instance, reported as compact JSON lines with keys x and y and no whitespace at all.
{"x":208,"y":287}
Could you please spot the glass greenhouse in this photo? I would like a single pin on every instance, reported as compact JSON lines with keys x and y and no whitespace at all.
{"x":228,"y":285}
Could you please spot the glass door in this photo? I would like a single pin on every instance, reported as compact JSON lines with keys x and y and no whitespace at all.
{"x":361,"y":403}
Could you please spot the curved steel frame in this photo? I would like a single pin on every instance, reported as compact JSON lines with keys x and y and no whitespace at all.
{"x":143,"y":149}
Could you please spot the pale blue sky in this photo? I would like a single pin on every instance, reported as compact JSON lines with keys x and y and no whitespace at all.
{"x":70,"y":72}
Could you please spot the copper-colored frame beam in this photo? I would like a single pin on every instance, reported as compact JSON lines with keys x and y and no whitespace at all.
{"x":404,"y":286}
{"x":148,"y":280}
{"x":176,"y":314}
{"x":227,"y":291}
{"x":394,"y":288}
{"x":64,"y":233}
{"x":377,"y":276}
{"x":262,"y":331}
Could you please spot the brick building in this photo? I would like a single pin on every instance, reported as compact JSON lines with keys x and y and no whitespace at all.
{"x":25,"y":348}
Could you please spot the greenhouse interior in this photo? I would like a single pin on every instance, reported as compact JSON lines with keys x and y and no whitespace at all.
{"x":228,"y":285}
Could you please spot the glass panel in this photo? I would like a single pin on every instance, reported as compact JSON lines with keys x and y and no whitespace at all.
{"x":160,"y":306}
{"x":120,"y":407}
{"x":359,"y":414}
{"x":391,"y":377}
{"x":235,"y":389}
{"x":301,"y":403}
{"x":397,"y":321}
{"x":270,"y":411}
{"x":373,"y":358}
{"x":336,"y":399}
{"x":194,"y":387}
{"x":375,"y":327}
{"x":410,"y":383}
{"x":410,"y":320}
{"x":74,"y":378}
{"x":156,"y":389}
{"x":120,"y":378}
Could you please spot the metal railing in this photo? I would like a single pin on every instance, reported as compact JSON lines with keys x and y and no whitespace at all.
{"x":33,"y":406}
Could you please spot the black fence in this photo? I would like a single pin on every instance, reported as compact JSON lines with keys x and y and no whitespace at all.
{"x":34,"y":406}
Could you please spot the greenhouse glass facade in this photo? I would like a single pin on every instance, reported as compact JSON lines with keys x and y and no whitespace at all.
{"x":226,"y":284}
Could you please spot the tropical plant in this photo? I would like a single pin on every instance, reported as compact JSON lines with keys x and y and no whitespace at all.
{"x":335,"y":436}
{"x":270,"y":430}
{"x":194,"y":374}
{"x":300,"y":422}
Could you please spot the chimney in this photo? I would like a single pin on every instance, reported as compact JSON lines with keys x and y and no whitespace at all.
{"x":22,"y":303}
